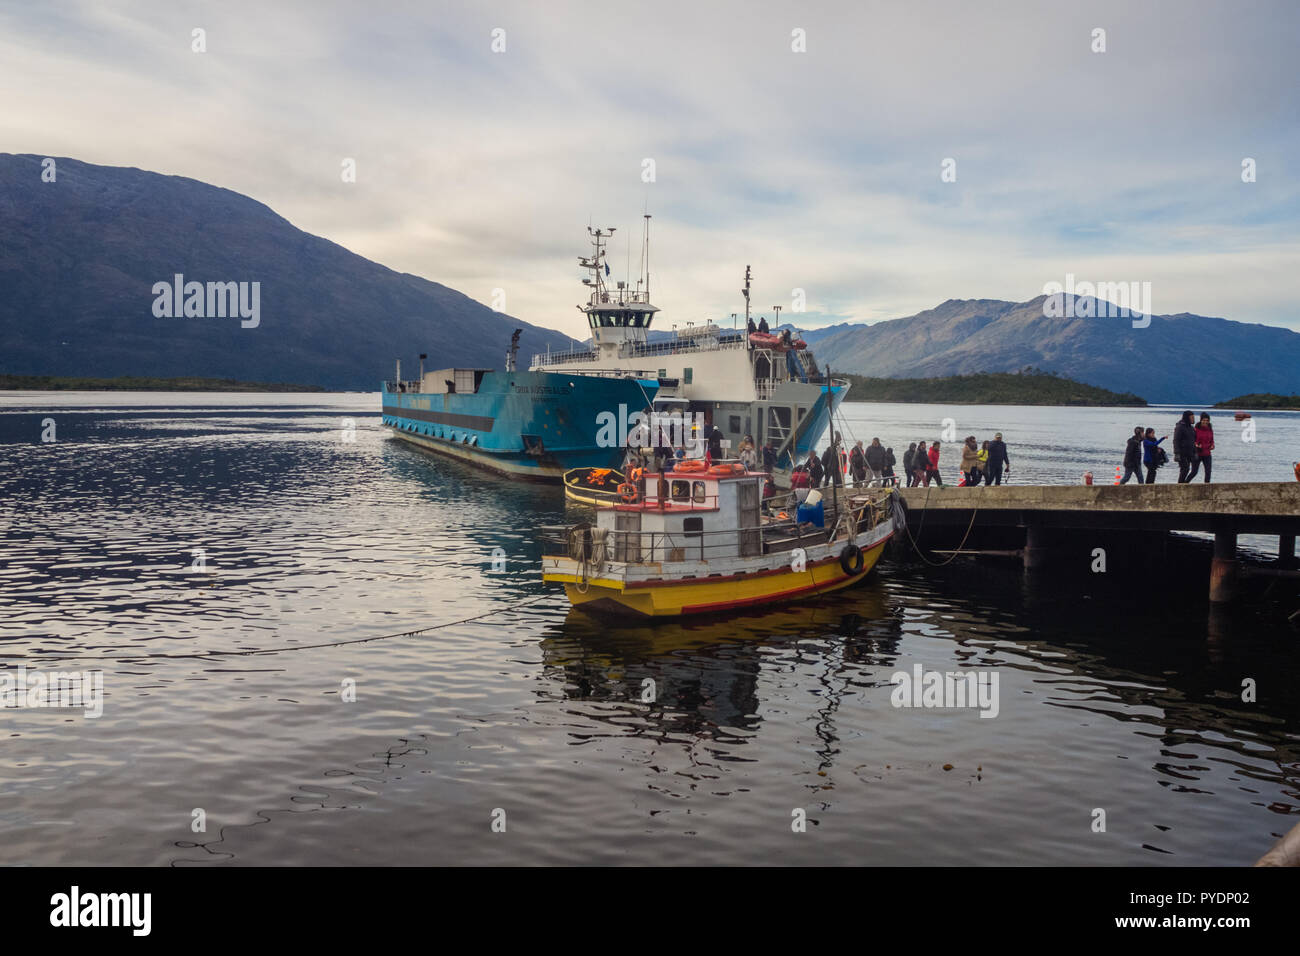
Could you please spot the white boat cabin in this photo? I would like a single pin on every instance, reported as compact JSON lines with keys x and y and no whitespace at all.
{"x":688,"y":516}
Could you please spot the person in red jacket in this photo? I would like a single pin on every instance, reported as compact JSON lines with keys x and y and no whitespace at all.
{"x":1204,"y":444}
{"x":932,"y":473}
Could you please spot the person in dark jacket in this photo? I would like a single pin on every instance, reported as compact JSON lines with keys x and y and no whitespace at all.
{"x":762,"y":325}
{"x":1152,"y":454}
{"x":1185,"y":448}
{"x":909,"y":457}
{"x":831,"y":463}
{"x":1205,"y":445}
{"x":715,"y":443}
{"x":769,"y":458}
{"x":875,"y":461}
{"x":997,"y":461}
{"x":858,"y":463}
{"x":814,"y":468}
{"x":888,"y":472}
{"x":1133,"y":457}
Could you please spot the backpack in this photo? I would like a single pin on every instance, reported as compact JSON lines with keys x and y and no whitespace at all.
{"x":1162,"y":457}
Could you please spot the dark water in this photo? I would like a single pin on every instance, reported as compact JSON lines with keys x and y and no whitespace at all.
{"x":1111,"y":697}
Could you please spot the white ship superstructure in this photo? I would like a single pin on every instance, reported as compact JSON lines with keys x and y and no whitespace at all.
{"x":773,"y":393}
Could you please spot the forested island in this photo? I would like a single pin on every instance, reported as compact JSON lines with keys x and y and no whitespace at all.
{"x":1261,"y":400}
{"x":131,"y":383}
{"x":987,"y":388}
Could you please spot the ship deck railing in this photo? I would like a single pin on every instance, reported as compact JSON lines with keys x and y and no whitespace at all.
{"x":556,"y":358}
{"x":774,"y":536}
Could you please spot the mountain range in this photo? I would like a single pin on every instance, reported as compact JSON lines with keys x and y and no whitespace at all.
{"x":1175,"y":359}
{"x":81,"y":257}
{"x":87,"y":259}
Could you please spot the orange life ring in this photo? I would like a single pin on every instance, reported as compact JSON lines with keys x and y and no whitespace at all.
{"x":732,"y":469}
{"x":627,"y":492}
{"x":690,"y":465}
{"x":634,"y":475}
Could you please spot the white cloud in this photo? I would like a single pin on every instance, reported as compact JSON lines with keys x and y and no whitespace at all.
{"x":821,"y":169}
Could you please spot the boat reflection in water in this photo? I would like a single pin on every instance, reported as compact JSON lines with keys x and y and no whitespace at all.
{"x":700,"y":676}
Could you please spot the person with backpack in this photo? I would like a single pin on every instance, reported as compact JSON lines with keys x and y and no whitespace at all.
{"x":932,"y":470}
{"x":1153,"y":456}
{"x":1205,"y":444}
{"x":1185,"y":448}
{"x":1133,"y":457}
{"x":909,"y":457}
{"x":887,"y":473}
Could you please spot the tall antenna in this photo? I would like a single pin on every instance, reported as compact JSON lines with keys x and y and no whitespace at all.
{"x":647,"y":257}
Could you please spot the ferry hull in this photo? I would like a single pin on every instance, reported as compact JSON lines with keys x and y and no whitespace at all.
{"x":704,"y":596}
{"x":530,"y":425}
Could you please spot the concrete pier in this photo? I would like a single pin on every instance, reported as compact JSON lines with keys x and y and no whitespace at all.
{"x":1049,"y":514}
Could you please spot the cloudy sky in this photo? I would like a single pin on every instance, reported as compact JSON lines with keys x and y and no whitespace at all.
{"x":821,"y":169}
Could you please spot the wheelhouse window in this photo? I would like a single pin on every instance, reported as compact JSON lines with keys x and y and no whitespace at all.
{"x":681,"y":490}
{"x":697,"y":494}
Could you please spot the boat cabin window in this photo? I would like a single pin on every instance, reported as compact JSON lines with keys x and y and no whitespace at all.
{"x":686,"y":375}
{"x":699,"y":492}
{"x":693,"y":526}
{"x":734,"y":422}
{"x":681,"y":490}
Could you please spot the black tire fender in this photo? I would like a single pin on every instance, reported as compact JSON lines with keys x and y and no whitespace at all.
{"x":852,"y":560}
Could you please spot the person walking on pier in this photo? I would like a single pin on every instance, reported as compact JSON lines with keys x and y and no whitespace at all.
{"x":858,"y":463}
{"x":909,"y":457}
{"x":997,"y":460}
{"x":831,"y":462}
{"x":1185,"y":448}
{"x":1153,"y":456}
{"x":1205,"y":444}
{"x":932,"y":471}
{"x":970,"y":461}
{"x":1133,"y":457}
{"x":875,"y":461}
{"x":887,"y":478}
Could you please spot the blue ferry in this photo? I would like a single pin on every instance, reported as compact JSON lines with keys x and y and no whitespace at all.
{"x":540,"y":423}
{"x":534,"y":425}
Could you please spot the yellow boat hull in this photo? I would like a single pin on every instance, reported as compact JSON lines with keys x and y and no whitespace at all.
{"x":703,"y":596}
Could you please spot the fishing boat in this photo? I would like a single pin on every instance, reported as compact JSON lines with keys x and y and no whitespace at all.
{"x":695,"y":540}
{"x":593,"y":486}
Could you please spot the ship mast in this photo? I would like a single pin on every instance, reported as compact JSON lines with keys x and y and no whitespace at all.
{"x":745,"y":293}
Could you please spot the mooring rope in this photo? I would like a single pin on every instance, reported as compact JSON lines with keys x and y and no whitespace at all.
{"x":295,"y":647}
{"x":955,"y":554}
